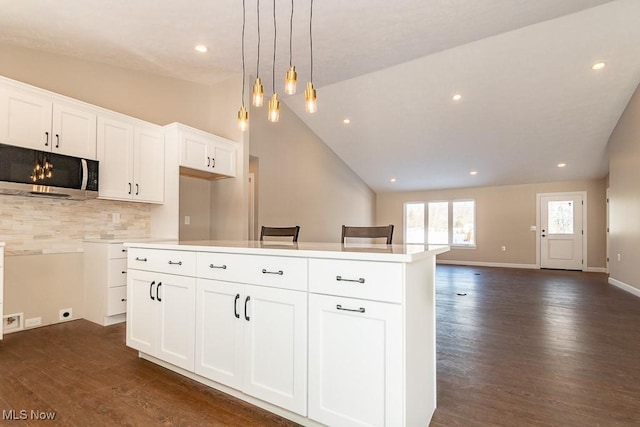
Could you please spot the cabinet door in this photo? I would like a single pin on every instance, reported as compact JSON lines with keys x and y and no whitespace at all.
{"x":176,"y":298}
{"x":223,"y":159}
{"x":195,"y":152}
{"x":25,"y":119}
{"x":115,"y":154}
{"x":275,"y":347}
{"x":219,"y":321}
{"x":142,"y":309}
{"x":149,"y":165}
{"x":74,"y":131}
{"x":355,"y":361}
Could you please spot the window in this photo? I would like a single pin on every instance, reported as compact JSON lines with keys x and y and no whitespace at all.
{"x":441,"y":223}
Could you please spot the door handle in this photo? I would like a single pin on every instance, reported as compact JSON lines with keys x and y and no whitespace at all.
{"x":158,"y":291}
{"x":245,"y":308}
{"x":46,"y":143}
{"x":151,"y":290}
{"x":137,"y":189}
{"x":57,"y":141}
{"x":213,"y":160}
{"x":129,"y":188}
{"x":235,"y":306}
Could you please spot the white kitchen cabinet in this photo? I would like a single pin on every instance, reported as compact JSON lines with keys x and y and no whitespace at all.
{"x":105,"y":282}
{"x":161,"y":320}
{"x":46,"y":123}
{"x":253,"y":338}
{"x":1,"y":286}
{"x":355,"y":361}
{"x":205,"y":152}
{"x":131,"y":157}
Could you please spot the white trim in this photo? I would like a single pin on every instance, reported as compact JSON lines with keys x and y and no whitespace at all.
{"x":624,"y":286}
{"x":583,"y":194}
{"x":486,"y":264}
{"x":596,"y":270}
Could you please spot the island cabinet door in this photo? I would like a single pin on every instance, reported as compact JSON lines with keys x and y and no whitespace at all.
{"x":161,"y":316}
{"x":275,"y":346}
{"x":355,"y":362}
{"x":219,"y":322}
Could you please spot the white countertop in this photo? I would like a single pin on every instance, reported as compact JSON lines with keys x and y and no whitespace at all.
{"x":353,"y":251}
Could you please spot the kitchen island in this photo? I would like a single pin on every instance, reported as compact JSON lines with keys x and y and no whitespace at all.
{"x":320,"y":333}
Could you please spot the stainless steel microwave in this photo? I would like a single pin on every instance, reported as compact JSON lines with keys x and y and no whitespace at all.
{"x":34,"y":173}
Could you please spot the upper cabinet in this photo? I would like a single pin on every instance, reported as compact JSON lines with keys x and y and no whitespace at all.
{"x":31,"y":119}
{"x":204,"y":151}
{"x":131,"y":156}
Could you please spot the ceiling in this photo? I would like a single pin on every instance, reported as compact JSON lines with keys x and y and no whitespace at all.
{"x":530,"y":99}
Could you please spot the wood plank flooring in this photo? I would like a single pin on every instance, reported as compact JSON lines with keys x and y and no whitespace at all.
{"x":521,"y":348}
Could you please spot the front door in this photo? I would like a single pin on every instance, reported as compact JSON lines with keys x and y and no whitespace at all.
{"x":561,"y":231}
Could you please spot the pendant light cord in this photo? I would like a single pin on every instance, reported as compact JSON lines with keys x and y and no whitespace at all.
{"x":258,"y":61}
{"x":291,"y":36}
{"x":243,"y":27}
{"x":275,"y":34}
{"x":311,"y":40}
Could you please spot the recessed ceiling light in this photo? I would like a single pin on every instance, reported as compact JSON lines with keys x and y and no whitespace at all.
{"x":473,"y":173}
{"x":456,"y":97}
{"x":392,"y":180}
{"x":561,"y":165}
{"x":201,"y":48}
{"x":346,"y":121}
{"x":598,"y":66}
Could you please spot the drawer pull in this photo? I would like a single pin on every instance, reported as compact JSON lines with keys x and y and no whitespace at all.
{"x":124,"y":272}
{"x":123,"y":299}
{"x":141,"y":259}
{"x":175,"y":263}
{"x":124,"y":250}
{"x":357,"y":310}
{"x":340,"y":279}
{"x":279,"y":272}
{"x":224,"y":267}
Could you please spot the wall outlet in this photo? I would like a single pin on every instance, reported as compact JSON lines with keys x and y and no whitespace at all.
{"x":187,"y":220}
{"x":503,"y":248}
{"x":12,"y":322}
{"x":33,"y":322}
{"x":65,"y":314}
{"x":115,"y":217}
{"x":619,"y":258}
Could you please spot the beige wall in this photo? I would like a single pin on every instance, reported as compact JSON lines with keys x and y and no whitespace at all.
{"x":303,"y":182}
{"x":624,"y":196}
{"x":195,"y":202}
{"x":504,"y":215}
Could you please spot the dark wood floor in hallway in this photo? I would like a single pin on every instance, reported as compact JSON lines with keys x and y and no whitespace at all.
{"x":521,"y":348}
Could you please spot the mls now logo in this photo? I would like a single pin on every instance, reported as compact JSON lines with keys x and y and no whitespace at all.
{"x":23,"y":414}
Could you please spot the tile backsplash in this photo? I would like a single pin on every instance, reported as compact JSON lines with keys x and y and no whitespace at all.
{"x":39,"y":225}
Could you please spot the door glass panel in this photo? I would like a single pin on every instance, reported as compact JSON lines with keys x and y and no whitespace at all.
{"x":438,"y":229}
{"x":414,"y":223}
{"x":560,"y":217}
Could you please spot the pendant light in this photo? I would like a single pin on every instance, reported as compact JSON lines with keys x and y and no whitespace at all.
{"x":274,"y":103}
{"x":258,"y":92}
{"x":291,"y":77}
{"x":311,"y":105}
{"x":243,"y":115}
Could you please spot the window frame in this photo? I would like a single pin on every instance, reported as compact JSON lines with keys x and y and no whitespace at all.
{"x":450,"y":202}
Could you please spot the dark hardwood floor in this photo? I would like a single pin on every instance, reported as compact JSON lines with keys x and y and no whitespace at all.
{"x":521,"y":348}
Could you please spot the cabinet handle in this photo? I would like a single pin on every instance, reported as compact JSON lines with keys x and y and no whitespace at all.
{"x":357,"y":310}
{"x":151,"y":290}
{"x":129,"y":188}
{"x":124,"y":272}
{"x":123,"y":299}
{"x":57,"y":141}
{"x":124,"y":250}
{"x":46,"y":143}
{"x":279,"y":272}
{"x":235,"y":306}
{"x":245,"y":309}
{"x":340,"y":279}
{"x":175,"y":263}
{"x":208,"y":161}
{"x":158,"y":292}
{"x":223,"y":266}
{"x":213,"y":159}
{"x":141,"y":259}
{"x":137,"y":189}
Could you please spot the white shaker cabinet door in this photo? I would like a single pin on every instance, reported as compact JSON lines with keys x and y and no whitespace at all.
{"x":275,"y":337}
{"x":115,"y":154}
{"x":25,"y":119}
{"x":219,"y":322}
{"x":355,"y":362}
{"x":142,"y":310}
{"x":74,"y":131}
{"x":195,"y":152}
{"x":148,"y":168}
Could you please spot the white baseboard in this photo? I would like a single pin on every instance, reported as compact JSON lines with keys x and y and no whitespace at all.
{"x":486,"y":264}
{"x":624,"y":286}
{"x":596,"y":270}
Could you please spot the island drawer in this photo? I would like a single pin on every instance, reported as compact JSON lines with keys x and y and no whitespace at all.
{"x":182,"y":263}
{"x":116,"y":300}
{"x":117,"y":250}
{"x":274,"y":271}
{"x":117,"y":272}
{"x":379,"y":281}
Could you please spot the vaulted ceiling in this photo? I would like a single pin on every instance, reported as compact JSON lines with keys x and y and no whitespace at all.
{"x":530,"y":99}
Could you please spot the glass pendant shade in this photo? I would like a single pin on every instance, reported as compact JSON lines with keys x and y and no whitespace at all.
{"x":291,"y":78}
{"x":258,"y":93}
{"x":274,"y":108}
{"x":243,"y":118}
{"x":310,"y":98}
